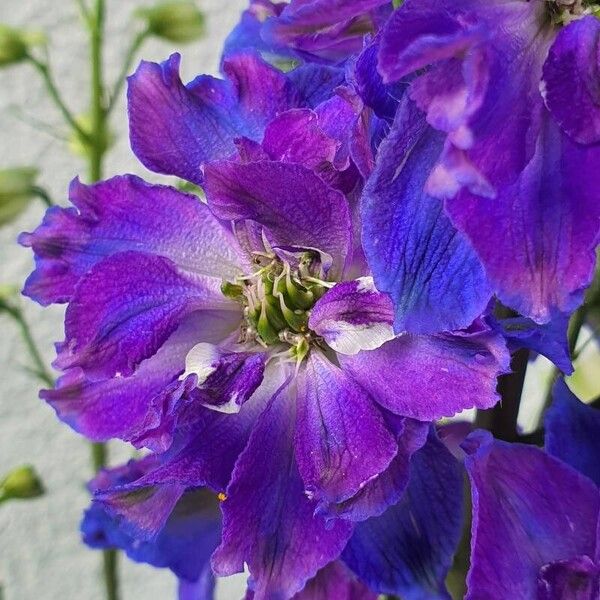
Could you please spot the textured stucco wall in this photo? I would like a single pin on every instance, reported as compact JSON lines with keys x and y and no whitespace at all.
{"x":40,"y":553}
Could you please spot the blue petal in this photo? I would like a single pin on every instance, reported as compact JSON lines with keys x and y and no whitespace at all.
{"x":573,"y":432}
{"x":408,"y":550}
{"x":430,"y":271}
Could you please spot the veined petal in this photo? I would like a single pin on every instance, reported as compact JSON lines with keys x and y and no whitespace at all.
{"x":126,"y":307}
{"x":408,"y":550}
{"x":431,"y":272}
{"x":335,"y":581}
{"x":353,"y":316}
{"x":537,"y":238}
{"x":429,"y":377}
{"x":529,"y":509}
{"x":570,"y":80}
{"x":174,"y":128}
{"x":223,"y":380}
{"x":386,"y":489}
{"x":296,"y":206}
{"x":120,"y":214}
{"x":268,"y":521}
{"x":341,"y":439}
{"x":573,"y":432}
{"x":184,"y":544}
{"x":133,"y":408}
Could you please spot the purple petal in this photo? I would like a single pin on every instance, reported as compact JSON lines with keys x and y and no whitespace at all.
{"x":573,"y":432}
{"x":223,"y":380}
{"x":296,"y":136}
{"x":268,"y":522}
{"x":537,"y":237}
{"x":529,"y":509}
{"x":130,"y":408}
{"x":575,"y":579}
{"x":353,"y":316}
{"x":408,"y":550}
{"x":184,"y":544}
{"x":125,"y":308}
{"x":208,"y":446}
{"x":335,"y":582}
{"x":385,"y":490}
{"x":174,"y":128}
{"x":125,"y":213}
{"x":570,"y":80}
{"x":316,"y":83}
{"x":418,"y":257}
{"x":296,"y":207}
{"x":549,"y":339}
{"x":323,"y":29}
{"x":429,"y":377}
{"x":341,"y":439}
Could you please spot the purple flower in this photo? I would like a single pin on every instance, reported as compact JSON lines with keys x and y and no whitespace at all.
{"x":508,"y":91}
{"x":244,"y":342}
{"x":535,"y":513}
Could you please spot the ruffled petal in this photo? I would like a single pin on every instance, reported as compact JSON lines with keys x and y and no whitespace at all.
{"x":408,"y":550}
{"x":120,"y":214}
{"x":316,"y":83}
{"x":549,"y":339}
{"x":223,"y":380}
{"x":133,"y":408}
{"x":575,"y":579}
{"x":126,"y":307}
{"x":341,"y":440}
{"x":268,"y":521}
{"x":430,"y":270}
{"x":322,"y":29}
{"x":570,"y":83}
{"x":537,"y":237}
{"x":174,"y":128}
{"x":184,"y":544}
{"x":335,"y":581}
{"x":374,"y":498}
{"x":295,"y":206}
{"x":429,"y":377}
{"x":529,"y":509}
{"x":573,"y":432}
{"x":353,"y":316}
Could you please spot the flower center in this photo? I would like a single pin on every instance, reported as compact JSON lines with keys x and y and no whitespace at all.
{"x":277,"y":299}
{"x":564,"y":11}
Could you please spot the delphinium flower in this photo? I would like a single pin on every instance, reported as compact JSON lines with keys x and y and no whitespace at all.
{"x":535,"y":513}
{"x":244,"y":343}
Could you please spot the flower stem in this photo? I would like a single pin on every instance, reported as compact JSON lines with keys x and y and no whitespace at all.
{"x":40,"y":368}
{"x":44,"y":70}
{"x":97,"y":149}
{"x":43,"y":195}
{"x":139,"y":39}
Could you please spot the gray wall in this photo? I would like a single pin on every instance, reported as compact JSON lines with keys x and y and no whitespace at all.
{"x":41,"y":556}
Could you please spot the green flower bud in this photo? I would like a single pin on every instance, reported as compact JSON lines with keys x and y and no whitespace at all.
{"x":177,"y":21}
{"x":22,"y":482}
{"x":13,"y":46}
{"x":16,"y":190}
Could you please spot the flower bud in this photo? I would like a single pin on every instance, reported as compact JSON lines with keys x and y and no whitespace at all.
{"x":22,"y":482}
{"x":13,"y":46}
{"x":176,"y":21}
{"x":16,"y":189}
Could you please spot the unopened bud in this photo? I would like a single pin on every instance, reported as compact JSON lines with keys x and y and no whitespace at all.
{"x":176,"y":21}
{"x":16,"y":189}
{"x":21,"y":483}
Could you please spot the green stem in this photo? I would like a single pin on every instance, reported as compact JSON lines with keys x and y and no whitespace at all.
{"x":43,"y":195}
{"x":40,"y":368}
{"x":97,"y":149}
{"x":44,"y":70}
{"x":133,"y":49}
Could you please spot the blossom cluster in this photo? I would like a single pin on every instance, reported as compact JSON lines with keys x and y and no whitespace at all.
{"x":367,"y":184}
